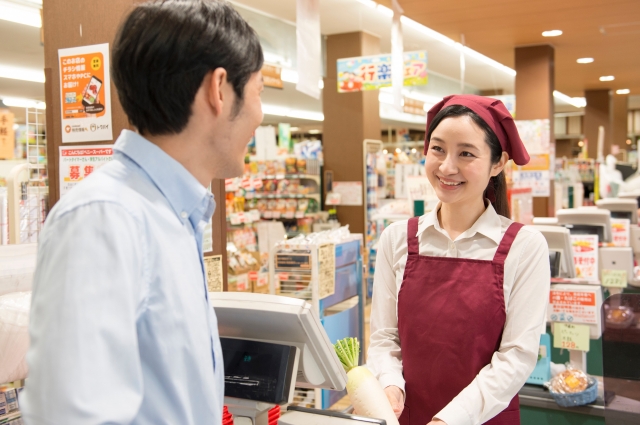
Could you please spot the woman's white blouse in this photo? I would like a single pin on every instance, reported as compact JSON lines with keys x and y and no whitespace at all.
{"x":526,"y":293}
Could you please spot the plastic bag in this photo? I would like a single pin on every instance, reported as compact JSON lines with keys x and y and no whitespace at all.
{"x":14,"y":335}
{"x":570,"y":381}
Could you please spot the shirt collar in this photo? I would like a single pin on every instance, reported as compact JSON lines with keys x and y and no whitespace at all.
{"x":488,"y":224}
{"x":188,"y":198}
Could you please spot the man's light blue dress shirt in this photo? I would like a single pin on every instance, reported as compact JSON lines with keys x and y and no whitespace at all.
{"x":121,"y":328}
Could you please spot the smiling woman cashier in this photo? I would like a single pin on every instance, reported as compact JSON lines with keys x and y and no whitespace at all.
{"x":460,"y":294}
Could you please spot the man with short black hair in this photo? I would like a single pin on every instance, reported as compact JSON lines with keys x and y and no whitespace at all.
{"x":121,"y":328}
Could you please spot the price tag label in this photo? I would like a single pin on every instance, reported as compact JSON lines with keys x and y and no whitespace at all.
{"x":300,"y":214}
{"x":571,"y":336}
{"x":333,"y":199}
{"x":289,"y":214}
{"x":614,"y":278}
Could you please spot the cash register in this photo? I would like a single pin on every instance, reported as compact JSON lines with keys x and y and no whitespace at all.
{"x":272,"y":344}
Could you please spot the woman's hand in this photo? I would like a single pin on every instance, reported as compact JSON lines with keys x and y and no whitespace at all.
{"x":396,"y":398}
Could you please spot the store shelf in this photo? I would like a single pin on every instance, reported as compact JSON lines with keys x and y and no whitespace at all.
{"x":250,"y":195}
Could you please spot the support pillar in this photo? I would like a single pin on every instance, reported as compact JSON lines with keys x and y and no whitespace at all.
{"x":534,"y":100}
{"x":619,"y":121}
{"x":597,"y":113}
{"x":73,"y":23}
{"x":349,"y":119}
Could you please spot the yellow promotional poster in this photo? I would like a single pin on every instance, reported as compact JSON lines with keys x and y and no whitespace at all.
{"x":7,"y":135}
{"x":85,"y":94}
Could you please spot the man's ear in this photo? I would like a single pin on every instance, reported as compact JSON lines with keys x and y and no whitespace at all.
{"x":217,"y":79}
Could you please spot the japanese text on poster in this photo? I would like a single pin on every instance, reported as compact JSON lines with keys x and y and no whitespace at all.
{"x":213,"y":267}
{"x":85,"y":89}
{"x":373,"y":72}
{"x":536,"y":135}
{"x":571,"y":336}
{"x":538,"y":181}
{"x":77,"y":163}
{"x":585,"y":256}
{"x":621,"y":231}
{"x":573,"y":306}
{"x":327,"y":270}
{"x":7,"y":135}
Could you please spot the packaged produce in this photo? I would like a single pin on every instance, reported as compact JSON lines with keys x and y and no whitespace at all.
{"x":303,"y":205}
{"x":290,"y":165}
{"x":301,"y":164}
{"x":292,"y":205}
{"x":272,"y":205}
{"x":283,"y":187}
{"x":262,"y":205}
{"x":281,"y":206}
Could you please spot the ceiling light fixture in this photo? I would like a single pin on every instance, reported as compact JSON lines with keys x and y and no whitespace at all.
{"x":440,"y":37}
{"x":294,"y":129}
{"x":551,"y":33}
{"x":314,"y":131}
{"x":291,"y":76}
{"x":623,"y":91}
{"x":578,"y":102}
{"x":21,"y":13}
{"x":585,"y":60}
{"x":607,"y":78}
{"x":24,"y":74}
{"x":17,"y":102}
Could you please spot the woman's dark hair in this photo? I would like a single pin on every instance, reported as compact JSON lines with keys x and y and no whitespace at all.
{"x":164,"y":49}
{"x":496,"y":190}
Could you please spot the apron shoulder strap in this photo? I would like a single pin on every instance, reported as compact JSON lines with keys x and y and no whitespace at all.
{"x":412,"y":239}
{"x":507,"y":241}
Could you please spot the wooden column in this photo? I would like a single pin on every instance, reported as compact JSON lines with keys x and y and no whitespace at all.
{"x":619,"y":118}
{"x":73,"y":23}
{"x":534,"y":100}
{"x":597,"y":113}
{"x":349,"y":119}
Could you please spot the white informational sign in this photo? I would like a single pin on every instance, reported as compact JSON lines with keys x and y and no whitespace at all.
{"x":85,"y":91}
{"x":77,"y":163}
{"x":350,"y":192}
{"x":575,"y":305}
{"x":621,"y":231}
{"x":266,"y":147}
{"x":402,"y":172}
{"x":536,"y":135}
{"x":419,"y":188}
{"x":213,"y":268}
{"x":538,"y":181}
{"x":585,"y":256}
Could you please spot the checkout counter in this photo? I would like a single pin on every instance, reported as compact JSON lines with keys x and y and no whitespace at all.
{"x":614,"y":353}
{"x":272,"y":344}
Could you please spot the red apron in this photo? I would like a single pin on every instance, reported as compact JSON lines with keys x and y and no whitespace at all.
{"x":450,"y":319}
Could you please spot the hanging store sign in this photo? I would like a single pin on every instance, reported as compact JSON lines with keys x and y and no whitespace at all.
{"x":77,"y":163}
{"x":272,"y":76}
{"x":374,"y":72}
{"x":85,"y":88}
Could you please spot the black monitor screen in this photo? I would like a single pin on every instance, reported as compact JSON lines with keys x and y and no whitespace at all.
{"x":622,"y":214}
{"x":586,"y":229}
{"x":554,"y":262}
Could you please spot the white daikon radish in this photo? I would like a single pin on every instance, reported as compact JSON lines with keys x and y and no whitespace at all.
{"x":366,"y":394}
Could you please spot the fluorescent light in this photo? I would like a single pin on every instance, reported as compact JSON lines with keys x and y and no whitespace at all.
{"x":275,"y":59}
{"x":20,"y":14}
{"x":385,"y":10}
{"x":414,"y":150}
{"x":607,"y":78}
{"x":24,"y":74}
{"x":314,"y":131}
{"x":551,"y":33}
{"x":427,"y":31}
{"x":369,"y":3}
{"x":292,"y":113}
{"x":449,"y":42}
{"x":585,"y":60}
{"x":578,"y":102}
{"x":17,"y":102}
{"x":294,"y":129}
{"x":623,"y":91}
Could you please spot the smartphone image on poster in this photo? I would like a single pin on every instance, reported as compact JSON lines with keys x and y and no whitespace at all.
{"x":90,"y":94}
